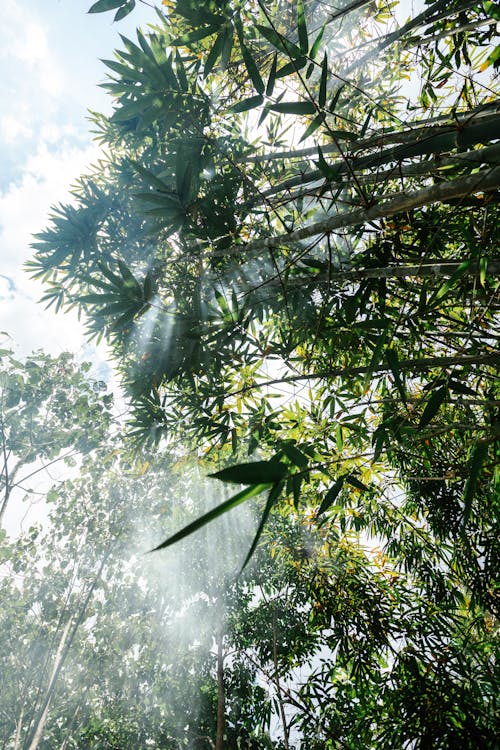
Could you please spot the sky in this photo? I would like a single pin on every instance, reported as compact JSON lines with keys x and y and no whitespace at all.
{"x":50,"y":66}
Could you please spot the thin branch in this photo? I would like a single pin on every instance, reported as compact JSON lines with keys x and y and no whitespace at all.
{"x":412,"y":365}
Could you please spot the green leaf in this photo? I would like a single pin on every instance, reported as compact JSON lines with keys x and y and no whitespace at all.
{"x":393,"y":362}
{"x":295,"y":455}
{"x":302,"y":27}
{"x":246,"y":104}
{"x":103,"y":5}
{"x":437,"y":398}
{"x":328,"y":171}
{"x":224,"y":507}
{"x":195,"y":36}
{"x":272,"y":75}
{"x":478,"y":457}
{"x":296,"y":485}
{"x":323,"y":82}
{"x":492,"y":9}
{"x":294,"y":108}
{"x":331,"y":496}
{"x":124,"y":10}
{"x":291,"y":67}
{"x":376,"y":356}
{"x":280,"y":42}
{"x":312,"y":127}
{"x":356,"y":483}
{"x":335,"y":98}
{"x":317,"y":42}
{"x":445,"y":288}
{"x":214,"y":54}
{"x":271,"y":499}
{"x":254,"y":472}
{"x":252,"y":69}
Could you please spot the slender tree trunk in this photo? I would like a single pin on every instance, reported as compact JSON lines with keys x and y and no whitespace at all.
{"x":19,"y":725}
{"x":391,"y":272}
{"x":483,"y":181}
{"x":278,"y":684}
{"x":221,"y":697}
{"x":58,"y":660}
{"x":63,"y":649}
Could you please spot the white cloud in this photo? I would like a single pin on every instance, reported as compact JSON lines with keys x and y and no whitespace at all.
{"x":14,"y":128}
{"x":24,"y":210}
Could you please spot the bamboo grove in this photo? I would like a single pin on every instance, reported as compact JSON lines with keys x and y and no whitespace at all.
{"x":291,"y":244}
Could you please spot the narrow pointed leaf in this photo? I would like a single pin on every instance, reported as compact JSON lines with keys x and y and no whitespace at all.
{"x":302,"y":27}
{"x":224,"y":507}
{"x":124,"y":10}
{"x":294,"y":108}
{"x":252,"y":69}
{"x":354,"y":481}
{"x":433,"y":405}
{"x":477,"y":459}
{"x":323,"y":82}
{"x":280,"y":42}
{"x":393,"y":362}
{"x":271,"y":499}
{"x":254,"y":472}
{"x":312,"y":127}
{"x":295,"y":455}
{"x":317,"y":42}
{"x":272,"y":75}
{"x":246,"y":104}
{"x":103,"y":5}
{"x":331,"y":496}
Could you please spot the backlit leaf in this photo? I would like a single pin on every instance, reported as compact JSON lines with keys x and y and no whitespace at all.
{"x":254,"y":472}
{"x":224,"y":507}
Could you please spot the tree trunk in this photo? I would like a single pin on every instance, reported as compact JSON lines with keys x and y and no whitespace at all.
{"x":410,"y":365}
{"x":58,"y":660}
{"x":221,"y":698}
{"x":278,"y":684}
{"x":479,"y":182}
{"x":67,"y":638}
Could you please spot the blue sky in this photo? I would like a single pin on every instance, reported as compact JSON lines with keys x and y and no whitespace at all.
{"x":50,"y":63}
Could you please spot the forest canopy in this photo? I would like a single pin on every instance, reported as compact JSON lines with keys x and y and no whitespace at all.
{"x":290,"y":244}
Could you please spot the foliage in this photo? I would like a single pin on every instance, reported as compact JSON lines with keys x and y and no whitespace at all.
{"x":294,"y":257}
{"x":50,"y":411}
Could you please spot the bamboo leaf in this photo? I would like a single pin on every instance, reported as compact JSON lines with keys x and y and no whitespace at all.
{"x":478,"y":457}
{"x":103,"y":5}
{"x":224,"y":507}
{"x":393,"y":362}
{"x":323,"y":82}
{"x":331,"y":496}
{"x":317,"y":42}
{"x":295,"y":455}
{"x":294,"y":108}
{"x":356,"y":483}
{"x":280,"y":42}
{"x":312,"y":127}
{"x":449,"y":283}
{"x":124,"y":10}
{"x":437,"y":398}
{"x":246,"y":104}
{"x":272,"y":75}
{"x":254,"y":472}
{"x":302,"y":27}
{"x":214,"y":54}
{"x":271,"y":499}
{"x":252,"y":69}
{"x":483,"y":267}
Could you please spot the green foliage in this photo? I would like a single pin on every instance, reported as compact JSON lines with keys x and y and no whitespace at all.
{"x":320,"y":322}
